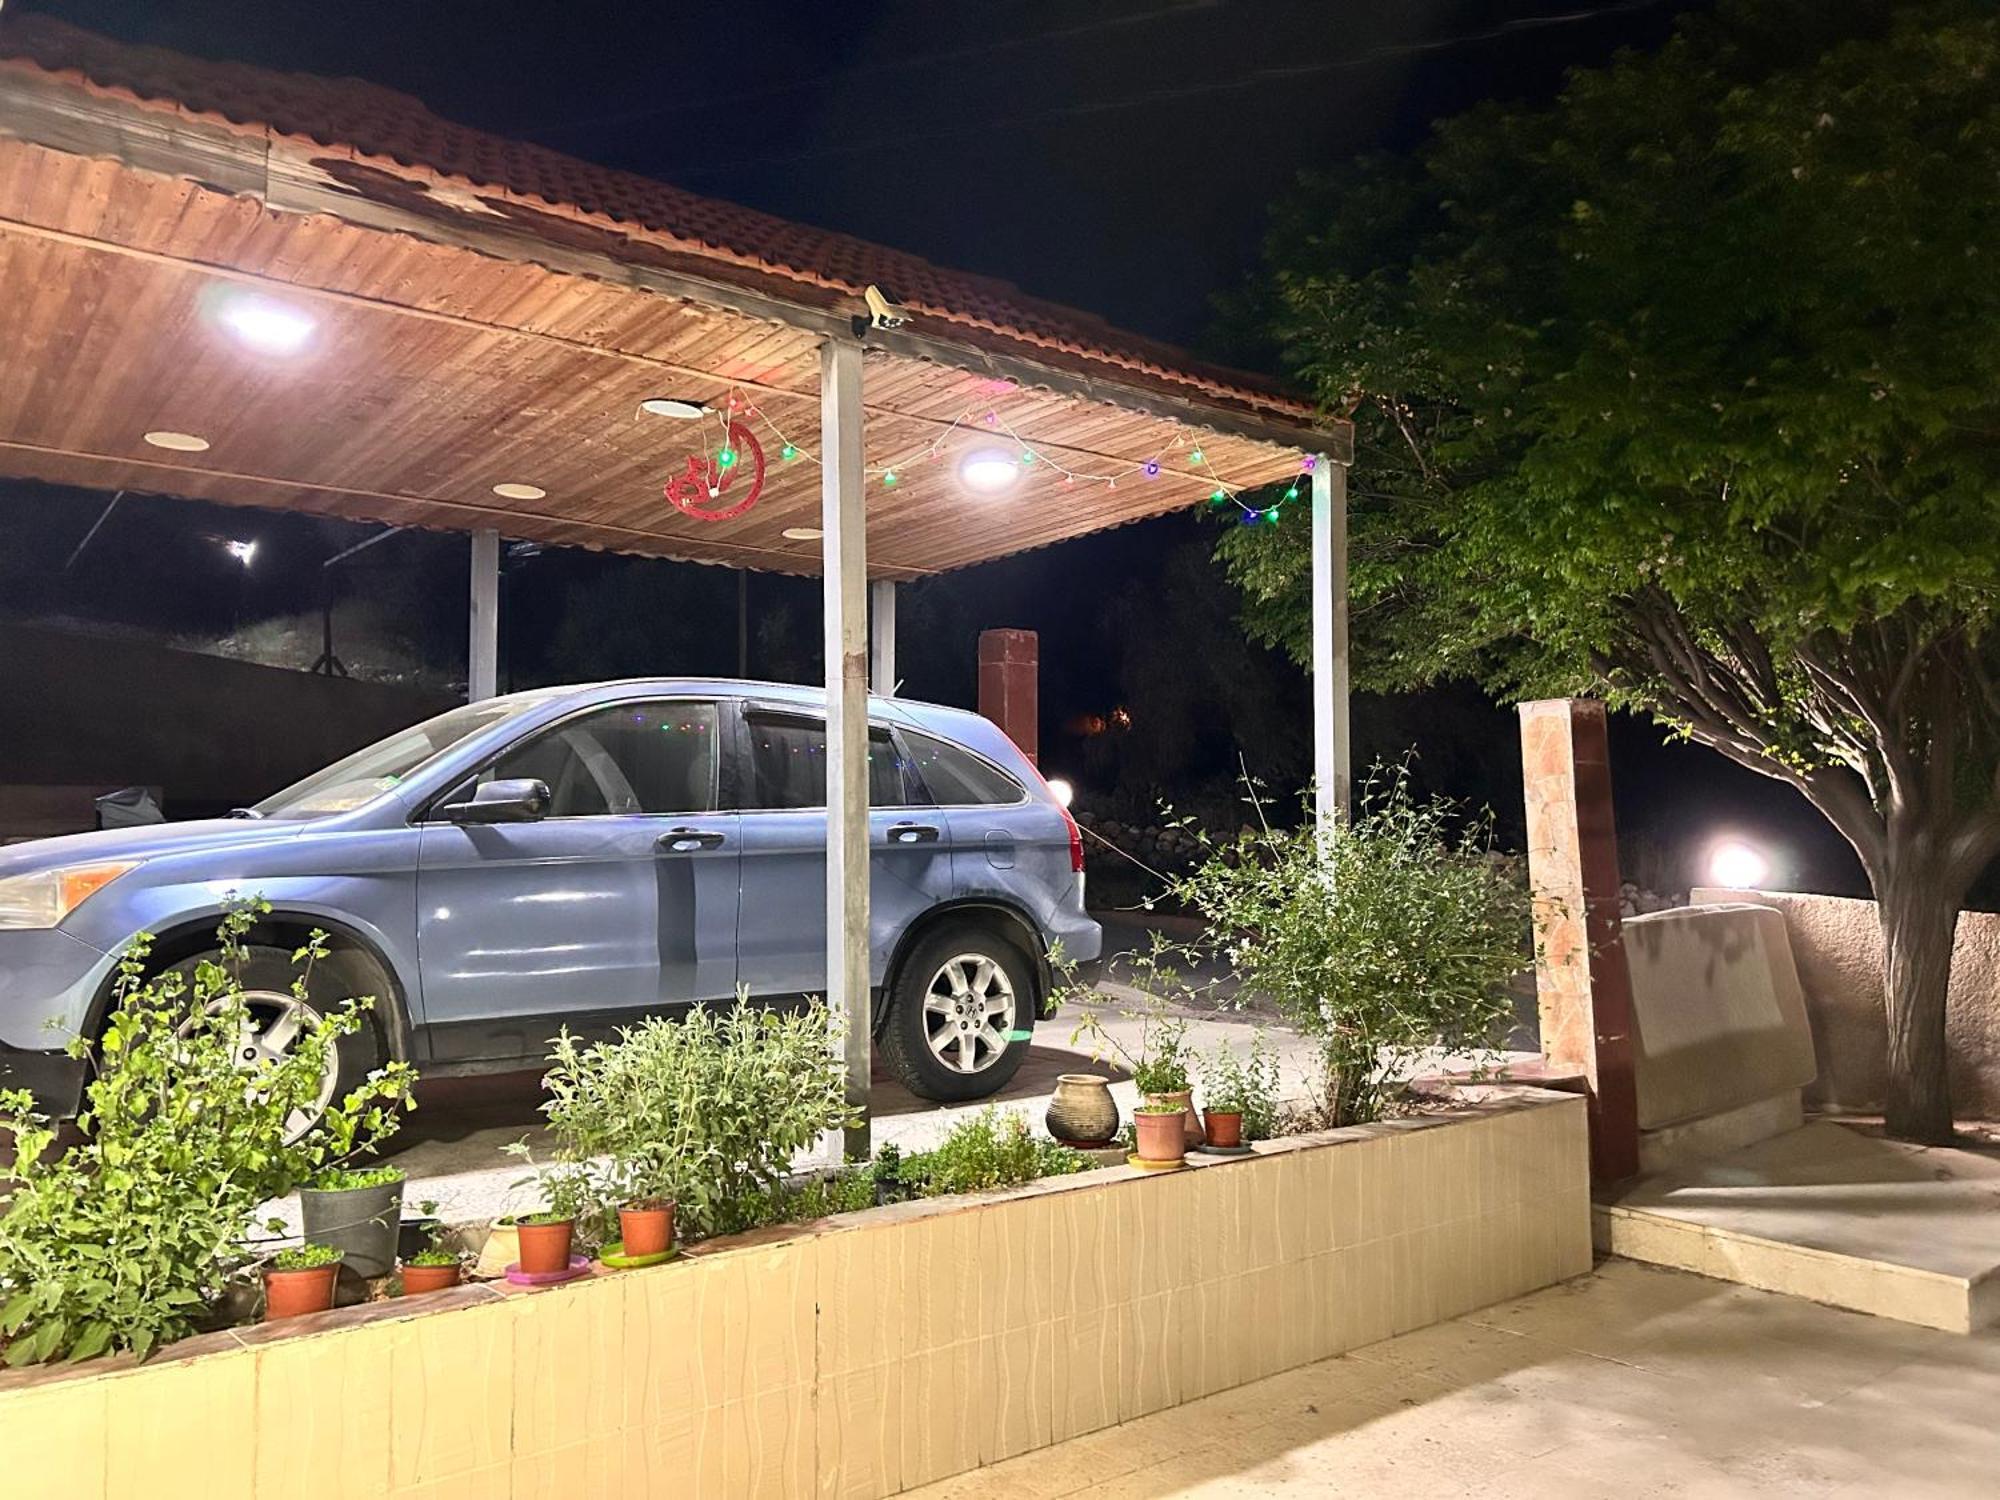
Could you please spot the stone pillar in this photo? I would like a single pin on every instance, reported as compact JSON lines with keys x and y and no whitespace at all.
{"x":1009,"y":684}
{"x":1581,"y":978}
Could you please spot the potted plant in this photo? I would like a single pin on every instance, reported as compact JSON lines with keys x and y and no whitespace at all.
{"x":432,"y":1267}
{"x":357,"y":1210}
{"x":1239,"y":1093}
{"x":545,"y":1242}
{"x":300,"y":1280}
{"x":1159,"y":1064}
{"x":646,"y":1226}
{"x":1162,"y":1136}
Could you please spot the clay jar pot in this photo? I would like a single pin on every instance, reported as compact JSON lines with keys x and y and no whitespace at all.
{"x":1161,"y":1136}
{"x":545,"y":1247}
{"x":647,"y":1228}
{"x":1082,"y":1111}
{"x":1225,"y":1127}
{"x":420,"y":1279}
{"x":1190,"y":1121}
{"x":287,"y":1294}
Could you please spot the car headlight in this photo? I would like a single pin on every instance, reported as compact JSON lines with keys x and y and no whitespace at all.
{"x":44,"y":898}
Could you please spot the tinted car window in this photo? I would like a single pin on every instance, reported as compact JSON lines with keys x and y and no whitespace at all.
{"x":634,"y":758}
{"x":788,"y":764}
{"x":958,"y":778}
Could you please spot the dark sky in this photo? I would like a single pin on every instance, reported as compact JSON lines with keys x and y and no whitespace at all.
{"x":1117,"y":155}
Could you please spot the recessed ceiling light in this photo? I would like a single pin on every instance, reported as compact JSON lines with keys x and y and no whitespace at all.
{"x":672,"y":406}
{"x":519,"y":491}
{"x":988,"y":471}
{"x":803,"y":533}
{"x":178,"y":442}
{"x":266,"y":325}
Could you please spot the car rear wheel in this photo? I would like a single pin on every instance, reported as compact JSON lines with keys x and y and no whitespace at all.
{"x":277,"y":1019}
{"x":961,"y":1014}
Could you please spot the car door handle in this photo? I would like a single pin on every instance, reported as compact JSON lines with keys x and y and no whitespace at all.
{"x":687,"y":840}
{"x":913,"y":833}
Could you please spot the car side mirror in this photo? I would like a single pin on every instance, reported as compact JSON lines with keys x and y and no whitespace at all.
{"x":516,"y":800}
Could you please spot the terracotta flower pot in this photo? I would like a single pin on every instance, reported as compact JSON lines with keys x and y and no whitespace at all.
{"x":420,"y":1279}
{"x":288,"y":1294}
{"x":1225,"y":1127}
{"x":1190,"y":1121}
{"x":1082,"y":1111}
{"x":1161,"y":1137}
{"x":647,"y":1228}
{"x":545,"y":1247}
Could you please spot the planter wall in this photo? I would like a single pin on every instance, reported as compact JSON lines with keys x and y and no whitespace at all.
{"x":844,"y":1358}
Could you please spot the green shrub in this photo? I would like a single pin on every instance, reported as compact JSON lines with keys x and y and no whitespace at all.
{"x":708,"y":1110}
{"x":1377,"y":940}
{"x":123,"y":1240}
{"x":347,"y":1179}
{"x":991,"y":1149}
{"x":305,"y":1258}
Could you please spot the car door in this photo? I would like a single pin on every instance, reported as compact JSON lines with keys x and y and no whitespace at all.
{"x":620,"y":902}
{"x":781,"y":930}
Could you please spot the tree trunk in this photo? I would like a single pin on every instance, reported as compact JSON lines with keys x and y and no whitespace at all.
{"x":1919,"y":922}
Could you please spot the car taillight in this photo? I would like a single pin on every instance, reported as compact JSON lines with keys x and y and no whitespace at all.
{"x":1075,"y":843}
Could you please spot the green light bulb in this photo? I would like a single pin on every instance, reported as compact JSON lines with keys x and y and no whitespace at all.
{"x":1195,"y":457}
{"x":788,"y":451}
{"x":889,"y":479}
{"x":727,"y":458}
{"x":1219,"y":496}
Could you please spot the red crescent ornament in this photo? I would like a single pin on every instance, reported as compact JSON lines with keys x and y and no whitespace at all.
{"x":709,"y":492}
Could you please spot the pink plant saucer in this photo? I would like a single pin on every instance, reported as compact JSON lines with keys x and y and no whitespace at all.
{"x":579,"y":1265}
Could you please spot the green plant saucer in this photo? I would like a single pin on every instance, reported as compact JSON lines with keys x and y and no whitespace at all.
{"x":1136,"y":1160}
{"x":614,"y":1256}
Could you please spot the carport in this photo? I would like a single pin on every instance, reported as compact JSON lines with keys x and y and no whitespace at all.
{"x":226,"y":284}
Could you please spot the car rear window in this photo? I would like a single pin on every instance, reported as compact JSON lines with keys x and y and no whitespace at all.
{"x":956,"y":777}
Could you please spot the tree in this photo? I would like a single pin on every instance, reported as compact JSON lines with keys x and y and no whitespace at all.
{"x":1685,"y":390}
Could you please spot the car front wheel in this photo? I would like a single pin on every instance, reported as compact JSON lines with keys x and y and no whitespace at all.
{"x":961,"y":1015}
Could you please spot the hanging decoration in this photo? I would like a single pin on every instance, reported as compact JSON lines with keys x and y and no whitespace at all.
{"x":721,"y":486}
{"x":1194,"y":462}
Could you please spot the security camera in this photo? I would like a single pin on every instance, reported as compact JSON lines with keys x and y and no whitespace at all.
{"x":884,"y":311}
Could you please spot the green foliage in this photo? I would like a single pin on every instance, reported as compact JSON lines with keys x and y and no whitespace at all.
{"x":1247,"y":1085}
{"x":434,"y":1254}
{"x":123,"y":1240}
{"x":1377,"y":941}
{"x":1681,"y":391}
{"x":305,"y":1258}
{"x":1159,"y":1065}
{"x":708,"y":1110}
{"x":347,"y":1179}
{"x":548,"y":1216}
{"x":991,"y":1149}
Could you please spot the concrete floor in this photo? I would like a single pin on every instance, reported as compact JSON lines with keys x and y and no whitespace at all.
{"x":1633,"y":1381}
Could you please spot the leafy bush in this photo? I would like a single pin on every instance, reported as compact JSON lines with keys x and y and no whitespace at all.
{"x":1159,"y":1065}
{"x":124,"y":1239}
{"x":305,"y":1258}
{"x":708,"y":1110}
{"x":1246,"y":1085}
{"x":344,"y":1180}
{"x":991,"y":1149}
{"x":1378,"y":940}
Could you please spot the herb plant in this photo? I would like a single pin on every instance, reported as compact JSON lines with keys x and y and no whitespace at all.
{"x":123,"y":1240}
{"x":991,"y":1149}
{"x":305,"y":1258}
{"x":1245,"y":1084}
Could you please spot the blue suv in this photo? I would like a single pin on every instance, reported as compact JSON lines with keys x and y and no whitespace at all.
{"x":579,"y":857}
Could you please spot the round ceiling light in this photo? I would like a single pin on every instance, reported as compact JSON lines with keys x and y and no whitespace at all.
{"x":178,"y":442}
{"x":519,"y":491}
{"x":266,"y":325}
{"x":672,"y":406}
{"x":802,"y":533}
{"x":989,"y":471}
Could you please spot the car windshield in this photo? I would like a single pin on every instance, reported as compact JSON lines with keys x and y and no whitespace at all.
{"x":373,"y":770}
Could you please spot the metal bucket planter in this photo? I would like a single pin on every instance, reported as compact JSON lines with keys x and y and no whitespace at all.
{"x":360,"y":1222}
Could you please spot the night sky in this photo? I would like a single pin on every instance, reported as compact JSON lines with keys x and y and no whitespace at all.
{"x":1117,"y":155}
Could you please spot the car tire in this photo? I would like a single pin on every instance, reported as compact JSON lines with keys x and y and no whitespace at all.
{"x":266,"y":974}
{"x":938,"y":1023}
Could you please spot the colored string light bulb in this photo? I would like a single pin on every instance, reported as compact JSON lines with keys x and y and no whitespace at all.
{"x":889,"y":479}
{"x":1152,"y":468}
{"x":1195,"y":457}
{"x":788,"y":451}
{"x":1218,"y":497}
{"x":1311,"y":462}
{"x":726,"y":458}
{"x":1271,"y":515}
{"x":1292,"y":493}
{"x":1027,"y":457}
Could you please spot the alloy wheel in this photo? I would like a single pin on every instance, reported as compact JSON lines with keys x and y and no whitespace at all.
{"x":969,"y":1012}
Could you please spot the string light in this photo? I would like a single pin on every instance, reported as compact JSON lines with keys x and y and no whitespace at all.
{"x":890,"y":473}
{"x":726,"y":458}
